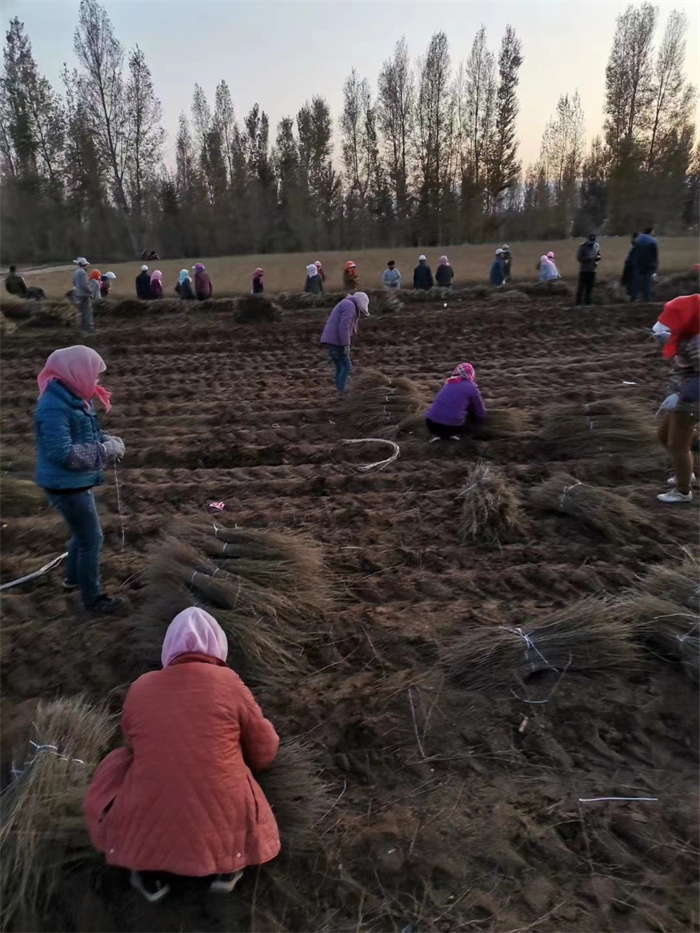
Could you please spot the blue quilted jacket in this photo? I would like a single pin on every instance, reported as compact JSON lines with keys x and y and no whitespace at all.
{"x":70,"y":453}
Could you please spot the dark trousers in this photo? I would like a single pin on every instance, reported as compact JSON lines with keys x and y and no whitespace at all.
{"x":80,"y":514}
{"x":586,"y":281}
{"x":641,"y":282}
{"x":446,"y":431}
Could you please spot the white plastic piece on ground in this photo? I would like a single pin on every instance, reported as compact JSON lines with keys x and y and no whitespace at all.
{"x":37,"y":573}
{"x":380,"y":464}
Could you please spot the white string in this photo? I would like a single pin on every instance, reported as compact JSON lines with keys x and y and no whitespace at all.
{"x":40,"y":749}
{"x":37,"y":573}
{"x":119,"y":502}
{"x":596,"y":799}
{"x":529,"y":644}
{"x":380,"y":464}
{"x":469,"y":488}
{"x":568,"y":489}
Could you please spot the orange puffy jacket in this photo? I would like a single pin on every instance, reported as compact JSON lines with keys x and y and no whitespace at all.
{"x":182,"y":798}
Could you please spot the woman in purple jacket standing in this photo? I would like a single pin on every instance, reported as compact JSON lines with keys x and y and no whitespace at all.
{"x":340,"y":328}
{"x":457,"y":406}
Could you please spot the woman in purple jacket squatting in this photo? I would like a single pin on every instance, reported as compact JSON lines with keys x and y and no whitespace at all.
{"x":457,"y":406}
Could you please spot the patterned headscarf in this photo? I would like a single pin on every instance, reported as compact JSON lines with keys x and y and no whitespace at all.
{"x":462,"y":372}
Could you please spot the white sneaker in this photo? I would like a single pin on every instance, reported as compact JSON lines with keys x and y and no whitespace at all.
{"x":224,"y":884}
{"x":675,"y":495}
{"x":672,"y":481}
{"x":434,"y":439}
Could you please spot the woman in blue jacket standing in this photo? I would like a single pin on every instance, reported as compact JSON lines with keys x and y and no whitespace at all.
{"x":72,"y":451}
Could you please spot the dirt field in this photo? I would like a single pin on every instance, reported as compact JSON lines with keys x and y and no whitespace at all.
{"x":451,"y":808}
{"x":286,"y":271}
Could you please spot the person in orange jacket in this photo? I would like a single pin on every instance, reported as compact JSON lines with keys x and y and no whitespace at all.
{"x":350,"y":277}
{"x":181,"y":798}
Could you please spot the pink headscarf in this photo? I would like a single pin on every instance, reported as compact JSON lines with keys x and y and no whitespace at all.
{"x":550,"y":255}
{"x":318,"y":264}
{"x":444,"y":261}
{"x":77,"y":368}
{"x":194,"y":631}
{"x":157,"y":276}
{"x":462,"y":372}
{"x":258,"y":272}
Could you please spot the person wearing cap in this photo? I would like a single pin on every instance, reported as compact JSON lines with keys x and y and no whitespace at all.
{"x":588,"y":257}
{"x":507,"y":261}
{"x":350,"y":277}
{"x":422,"y":275}
{"x":203,"y":288}
{"x":143,"y":284}
{"x":444,"y":273}
{"x":106,"y":283}
{"x":94,"y":280}
{"x":313,"y":284}
{"x":258,"y":287}
{"x":340,"y":328}
{"x":391,"y":277}
{"x":83,"y":295}
{"x":498,"y":274}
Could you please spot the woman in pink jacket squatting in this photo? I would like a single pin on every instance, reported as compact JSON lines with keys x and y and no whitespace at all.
{"x":340,"y":328}
{"x":457,"y":406}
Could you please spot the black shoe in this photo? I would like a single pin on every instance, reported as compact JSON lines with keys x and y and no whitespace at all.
{"x":224,"y":884}
{"x":152,"y":887}
{"x":108,"y":606}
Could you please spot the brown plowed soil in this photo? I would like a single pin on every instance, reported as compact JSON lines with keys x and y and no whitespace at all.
{"x":449,"y":811}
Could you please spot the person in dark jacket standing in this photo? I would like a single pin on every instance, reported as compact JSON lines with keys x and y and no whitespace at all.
{"x":143,"y":284}
{"x":498,"y":274}
{"x":457,"y":406}
{"x":203,"y":288}
{"x":444,"y":273}
{"x":628,"y":268}
{"x":588,"y":256}
{"x":314,"y":282}
{"x":72,"y":452}
{"x":422,"y":275}
{"x":15,"y":284}
{"x":258,"y":287}
{"x":645,"y":262}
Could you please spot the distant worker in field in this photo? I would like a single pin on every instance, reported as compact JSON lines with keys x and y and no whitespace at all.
{"x":350,"y":276}
{"x":15,"y":284}
{"x":507,"y":262}
{"x":321,"y":273}
{"x":106,"y":283}
{"x":548,"y":268}
{"x":444,"y":273}
{"x":498,"y":274}
{"x":143,"y":284}
{"x":627,"y":278}
{"x":422,"y":274}
{"x":588,"y":257}
{"x":458,"y":406}
{"x":391,"y":277}
{"x":313,"y":284}
{"x":645,"y":263}
{"x":258,"y":286}
{"x":83,"y":296}
{"x":157,"y":284}
{"x":203,"y":288}
{"x":678,"y":329}
{"x":181,"y":797}
{"x":94,"y":281}
{"x":340,"y":328}
{"x":184,"y":286}
{"x":72,"y":452}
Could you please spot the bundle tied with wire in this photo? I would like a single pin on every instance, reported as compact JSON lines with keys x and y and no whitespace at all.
{"x":607,"y":427}
{"x":581,"y":637}
{"x":503,"y":422}
{"x":42,"y":831}
{"x":376,"y":405}
{"x":490,"y":506}
{"x":614,"y":516}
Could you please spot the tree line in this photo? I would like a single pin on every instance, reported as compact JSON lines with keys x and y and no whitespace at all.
{"x":429,"y":157}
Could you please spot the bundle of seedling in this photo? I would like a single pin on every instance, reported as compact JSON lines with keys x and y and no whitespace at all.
{"x":490,"y":505}
{"x":377,"y":406}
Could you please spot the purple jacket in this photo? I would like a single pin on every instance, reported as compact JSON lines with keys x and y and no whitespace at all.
{"x":454,"y":402}
{"x":341,"y":324}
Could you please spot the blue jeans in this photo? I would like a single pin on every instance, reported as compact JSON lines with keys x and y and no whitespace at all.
{"x":343,"y":365}
{"x":83,"y":570}
{"x":641,"y":281}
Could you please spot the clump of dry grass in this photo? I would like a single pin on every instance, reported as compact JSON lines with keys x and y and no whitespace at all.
{"x":585,"y":636}
{"x":503,"y":422}
{"x":678,"y":582}
{"x":256,"y":309}
{"x":375,"y":404}
{"x":20,"y":497}
{"x":610,"y":426}
{"x":614,"y":516}
{"x":490,"y":505}
{"x":666,"y":627}
{"x":43,"y":831}
{"x":297,"y":795}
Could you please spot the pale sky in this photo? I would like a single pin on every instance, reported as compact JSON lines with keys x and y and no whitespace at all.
{"x":279,"y":53}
